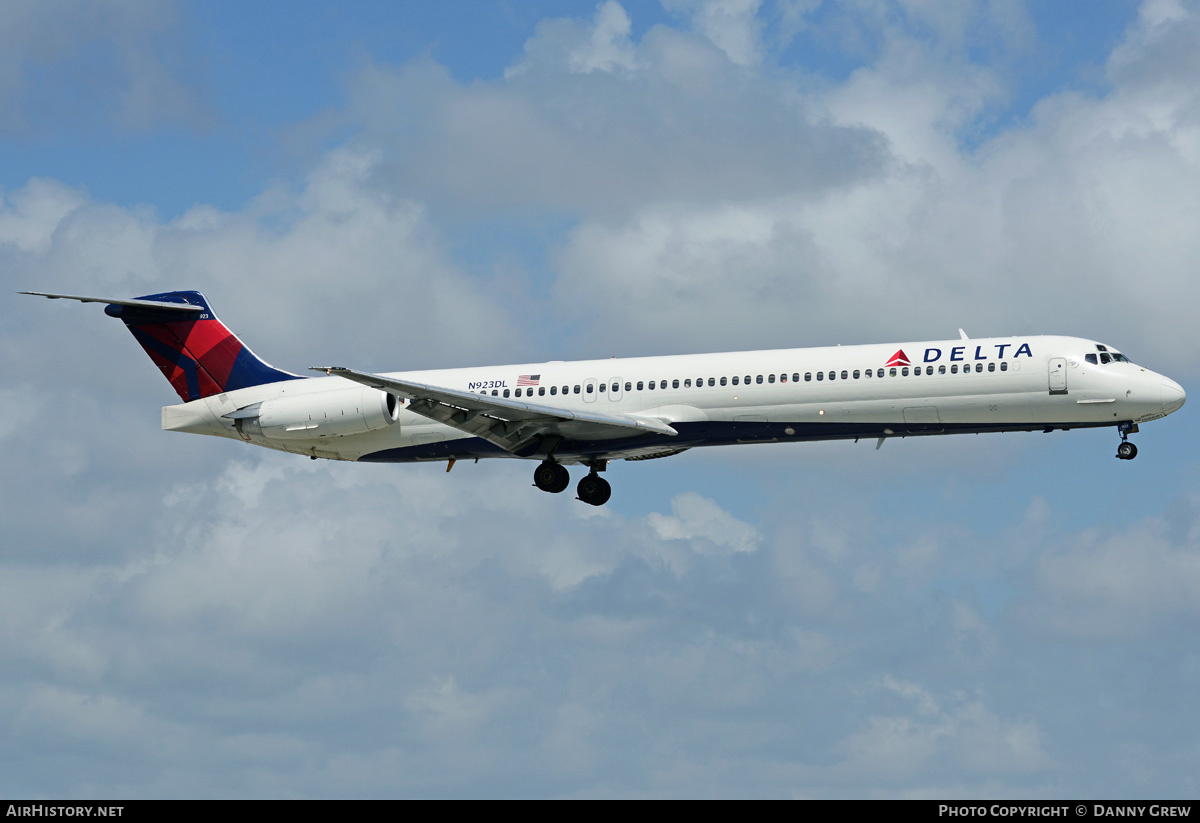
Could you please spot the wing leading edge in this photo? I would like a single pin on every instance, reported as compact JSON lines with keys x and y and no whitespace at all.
{"x":510,"y":424}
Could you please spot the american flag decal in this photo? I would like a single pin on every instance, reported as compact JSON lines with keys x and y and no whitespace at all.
{"x":528,"y":379}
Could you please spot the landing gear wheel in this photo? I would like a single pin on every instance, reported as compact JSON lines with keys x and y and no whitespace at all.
{"x":1126,"y":451}
{"x":551,"y":477}
{"x":594,"y":490}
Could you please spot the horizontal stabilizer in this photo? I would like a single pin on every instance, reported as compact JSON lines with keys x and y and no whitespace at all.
{"x":112,"y":301}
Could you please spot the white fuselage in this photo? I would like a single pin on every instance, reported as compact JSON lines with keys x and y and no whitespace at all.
{"x":920,"y":388}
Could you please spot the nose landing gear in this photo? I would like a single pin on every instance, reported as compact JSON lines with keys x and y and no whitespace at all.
{"x":1126,"y":450}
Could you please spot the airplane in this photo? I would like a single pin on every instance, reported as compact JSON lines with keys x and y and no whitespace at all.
{"x":590,"y":412}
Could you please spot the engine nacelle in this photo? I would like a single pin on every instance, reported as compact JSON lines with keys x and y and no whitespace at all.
{"x":326,"y":414}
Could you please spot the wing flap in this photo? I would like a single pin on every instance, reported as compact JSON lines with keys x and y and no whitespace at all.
{"x":509,"y":423}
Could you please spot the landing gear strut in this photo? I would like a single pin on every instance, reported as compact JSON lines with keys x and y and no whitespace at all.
{"x":594,"y":489}
{"x":551,"y":477}
{"x":1126,"y":450}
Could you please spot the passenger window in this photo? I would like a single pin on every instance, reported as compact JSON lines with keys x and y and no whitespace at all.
{"x":675,"y":384}
{"x":602,"y":387}
{"x":518,"y":393}
{"x":650,"y":385}
{"x":867,"y":373}
{"x":628,"y":387}
{"x":1004,"y":366}
{"x":929,"y":369}
{"x":493,"y":392}
{"x":662,"y":384}
{"x":796,"y":377}
{"x":712,"y":381}
{"x":856,"y":374}
{"x":845,"y":374}
{"x":541,"y":391}
{"x":735,"y":380}
{"x":892,"y":371}
{"x":748,"y":380}
{"x":554,"y":389}
{"x":954,"y":368}
{"x":991,"y":366}
{"x":770,"y":378}
{"x":506,"y":392}
{"x":942,"y":369}
{"x":820,"y":375}
{"x":808,"y":377}
{"x":589,"y":388}
{"x":904,"y":372}
{"x":758,"y":379}
{"x":641,"y":385}
{"x":687,"y":382}
{"x":722,"y":381}
{"x":833,"y":375}
{"x":783,"y":378}
{"x":577,"y":388}
{"x":978,"y":367}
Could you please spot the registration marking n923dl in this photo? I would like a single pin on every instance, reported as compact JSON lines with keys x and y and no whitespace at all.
{"x":488,"y":384}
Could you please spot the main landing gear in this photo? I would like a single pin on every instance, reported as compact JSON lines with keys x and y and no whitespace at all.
{"x":1126,"y":450}
{"x":594,"y":489}
{"x":553,"y":477}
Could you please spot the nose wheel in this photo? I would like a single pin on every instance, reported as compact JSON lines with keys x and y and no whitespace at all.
{"x":1126,"y":450}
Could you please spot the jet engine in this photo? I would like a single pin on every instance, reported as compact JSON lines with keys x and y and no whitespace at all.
{"x":327,"y":414}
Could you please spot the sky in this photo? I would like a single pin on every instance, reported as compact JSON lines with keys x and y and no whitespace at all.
{"x":395,"y":186}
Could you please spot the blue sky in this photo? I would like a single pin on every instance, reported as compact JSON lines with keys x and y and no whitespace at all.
{"x":402,"y":186}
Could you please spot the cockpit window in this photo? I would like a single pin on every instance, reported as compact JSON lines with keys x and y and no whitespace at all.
{"x":1105,"y":357}
{"x":1091,"y":358}
{"x":1101,"y":348}
{"x":1119,"y":358}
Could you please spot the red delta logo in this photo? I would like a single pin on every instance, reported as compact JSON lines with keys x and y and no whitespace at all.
{"x":898,"y":359}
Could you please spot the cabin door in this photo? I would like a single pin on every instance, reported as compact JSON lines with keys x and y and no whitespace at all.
{"x":1058,"y":375}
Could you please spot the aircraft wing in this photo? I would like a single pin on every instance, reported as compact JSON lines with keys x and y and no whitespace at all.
{"x":509,"y":423}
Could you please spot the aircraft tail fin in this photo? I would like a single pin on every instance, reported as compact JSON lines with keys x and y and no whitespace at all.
{"x":194,"y":350}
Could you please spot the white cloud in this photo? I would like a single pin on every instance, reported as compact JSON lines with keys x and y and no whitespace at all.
{"x":733,"y":26}
{"x":388,"y":291}
{"x":1126,"y":584}
{"x":609,"y":47}
{"x":707,"y":527}
{"x":937,"y":732}
{"x":121,"y":62}
{"x":1093,"y":195}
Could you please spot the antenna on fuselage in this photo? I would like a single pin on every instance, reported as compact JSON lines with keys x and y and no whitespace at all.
{"x":962,"y":334}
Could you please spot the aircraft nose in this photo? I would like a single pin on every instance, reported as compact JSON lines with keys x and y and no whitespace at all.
{"x":1173,"y":396}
